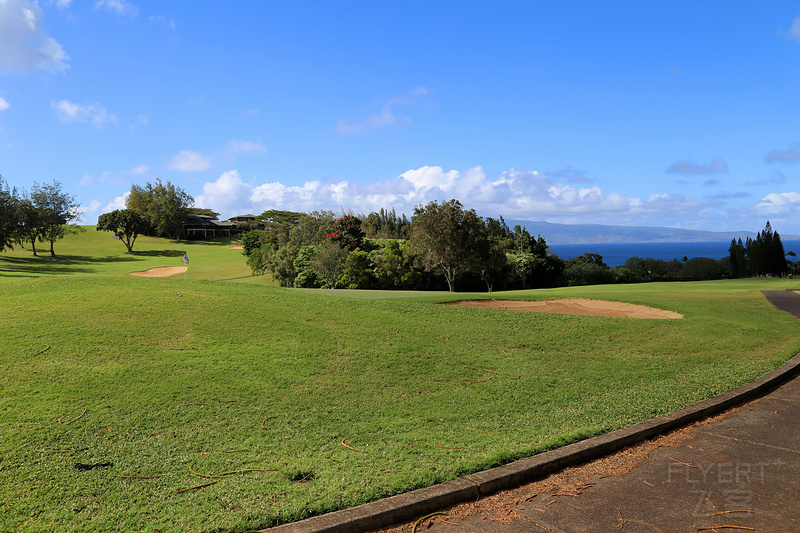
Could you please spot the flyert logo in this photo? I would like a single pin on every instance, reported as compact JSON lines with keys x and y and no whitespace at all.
{"x":722,"y":487}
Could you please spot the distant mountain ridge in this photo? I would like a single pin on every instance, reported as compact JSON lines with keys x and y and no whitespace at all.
{"x":599,"y":233}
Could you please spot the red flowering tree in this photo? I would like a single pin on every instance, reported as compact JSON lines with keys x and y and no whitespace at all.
{"x":347,"y":232}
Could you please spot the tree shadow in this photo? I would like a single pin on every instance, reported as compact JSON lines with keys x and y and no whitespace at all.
{"x":218,"y":241}
{"x":86,"y":259}
{"x":156,"y":253}
{"x":60,"y":264}
{"x":40,"y":268}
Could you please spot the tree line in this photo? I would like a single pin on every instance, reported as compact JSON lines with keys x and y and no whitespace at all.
{"x":762,"y":256}
{"x":44,"y":214}
{"x":157,"y":209}
{"x":47,"y":213}
{"x":442,"y":246}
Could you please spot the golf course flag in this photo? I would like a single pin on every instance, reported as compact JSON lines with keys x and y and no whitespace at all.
{"x":185,"y":261}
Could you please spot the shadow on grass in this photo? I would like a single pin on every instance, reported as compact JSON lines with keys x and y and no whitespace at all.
{"x":155,"y":253}
{"x":220,"y":241}
{"x":60,"y":264}
{"x":21,"y":270}
{"x":67,"y":259}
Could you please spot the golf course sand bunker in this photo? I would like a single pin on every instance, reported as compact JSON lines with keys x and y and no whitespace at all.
{"x":160,"y":272}
{"x":574,"y":306}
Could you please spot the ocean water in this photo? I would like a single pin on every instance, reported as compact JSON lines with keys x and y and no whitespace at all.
{"x":615,"y":254}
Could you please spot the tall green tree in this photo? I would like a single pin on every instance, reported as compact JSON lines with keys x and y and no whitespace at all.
{"x":491,"y":261}
{"x":645,"y":269}
{"x":311,"y":228}
{"x":521,"y":256}
{"x":305,"y":276}
{"x":8,"y":215}
{"x":765,"y":253}
{"x":738,"y":258}
{"x":125,"y":224}
{"x":778,"y":261}
{"x":702,"y":268}
{"x":57,"y":211}
{"x":529,"y":257}
{"x":277,"y":227}
{"x":163,"y":204}
{"x":385,"y":224}
{"x":281,"y":264}
{"x":252,"y":240}
{"x":588,"y":269}
{"x":446,"y":236}
{"x":203,"y":211}
{"x":329,"y":263}
{"x":276,"y":217}
{"x":28,"y":223}
{"x":358,"y":271}
{"x":393,"y":265}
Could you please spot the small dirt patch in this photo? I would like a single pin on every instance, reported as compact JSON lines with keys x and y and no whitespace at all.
{"x":574,"y":306}
{"x":160,"y":272}
{"x":237,"y":246}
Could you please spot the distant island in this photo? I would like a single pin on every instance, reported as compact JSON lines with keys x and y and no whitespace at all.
{"x":599,"y":233}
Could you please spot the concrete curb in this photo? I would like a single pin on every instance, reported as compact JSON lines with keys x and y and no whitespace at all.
{"x":413,"y":505}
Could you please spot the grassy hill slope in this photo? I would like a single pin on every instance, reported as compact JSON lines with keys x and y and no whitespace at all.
{"x":272,"y":404}
{"x":94,"y":252}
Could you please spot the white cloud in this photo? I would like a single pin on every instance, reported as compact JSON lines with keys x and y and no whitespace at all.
{"x":95,"y":113}
{"x":690,"y":167}
{"x":120,"y":202}
{"x":430,"y":177}
{"x":234,"y":149}
{"x":189,"y":161}
{"x":517,"y":194}
{"x":225,"y":195}
{"x":24,"y":43}
{"x":93,"y":206}
{"x":785,"y":203}
{"x":305,"y":198}
{"x":121,"y":8}
{"x":106,"y":178}
{"x":420,"y":91}
{"x":4,"y":104}
{"x":386,"y":117}
{"x":141,"y":121}
{"x":164,"y":21}
{"x":63,"y":4}
{"x":794,"y":31}
{"x":140,"y":170}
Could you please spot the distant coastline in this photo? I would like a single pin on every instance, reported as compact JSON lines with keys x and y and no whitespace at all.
{"x":615,"y":254}
{"x":598,"y":233}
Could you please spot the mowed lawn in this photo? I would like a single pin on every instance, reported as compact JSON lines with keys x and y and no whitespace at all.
{"x":94,"y":253}
{"x":210,"y":405}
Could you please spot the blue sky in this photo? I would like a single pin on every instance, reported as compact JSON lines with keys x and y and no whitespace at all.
{"x":679,"y":114}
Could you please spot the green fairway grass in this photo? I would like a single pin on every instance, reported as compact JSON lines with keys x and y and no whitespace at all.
{"x":92,"y":252}
{"x":230,"y":406}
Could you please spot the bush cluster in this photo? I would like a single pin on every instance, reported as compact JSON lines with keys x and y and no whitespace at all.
{"x":444,"y":245}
